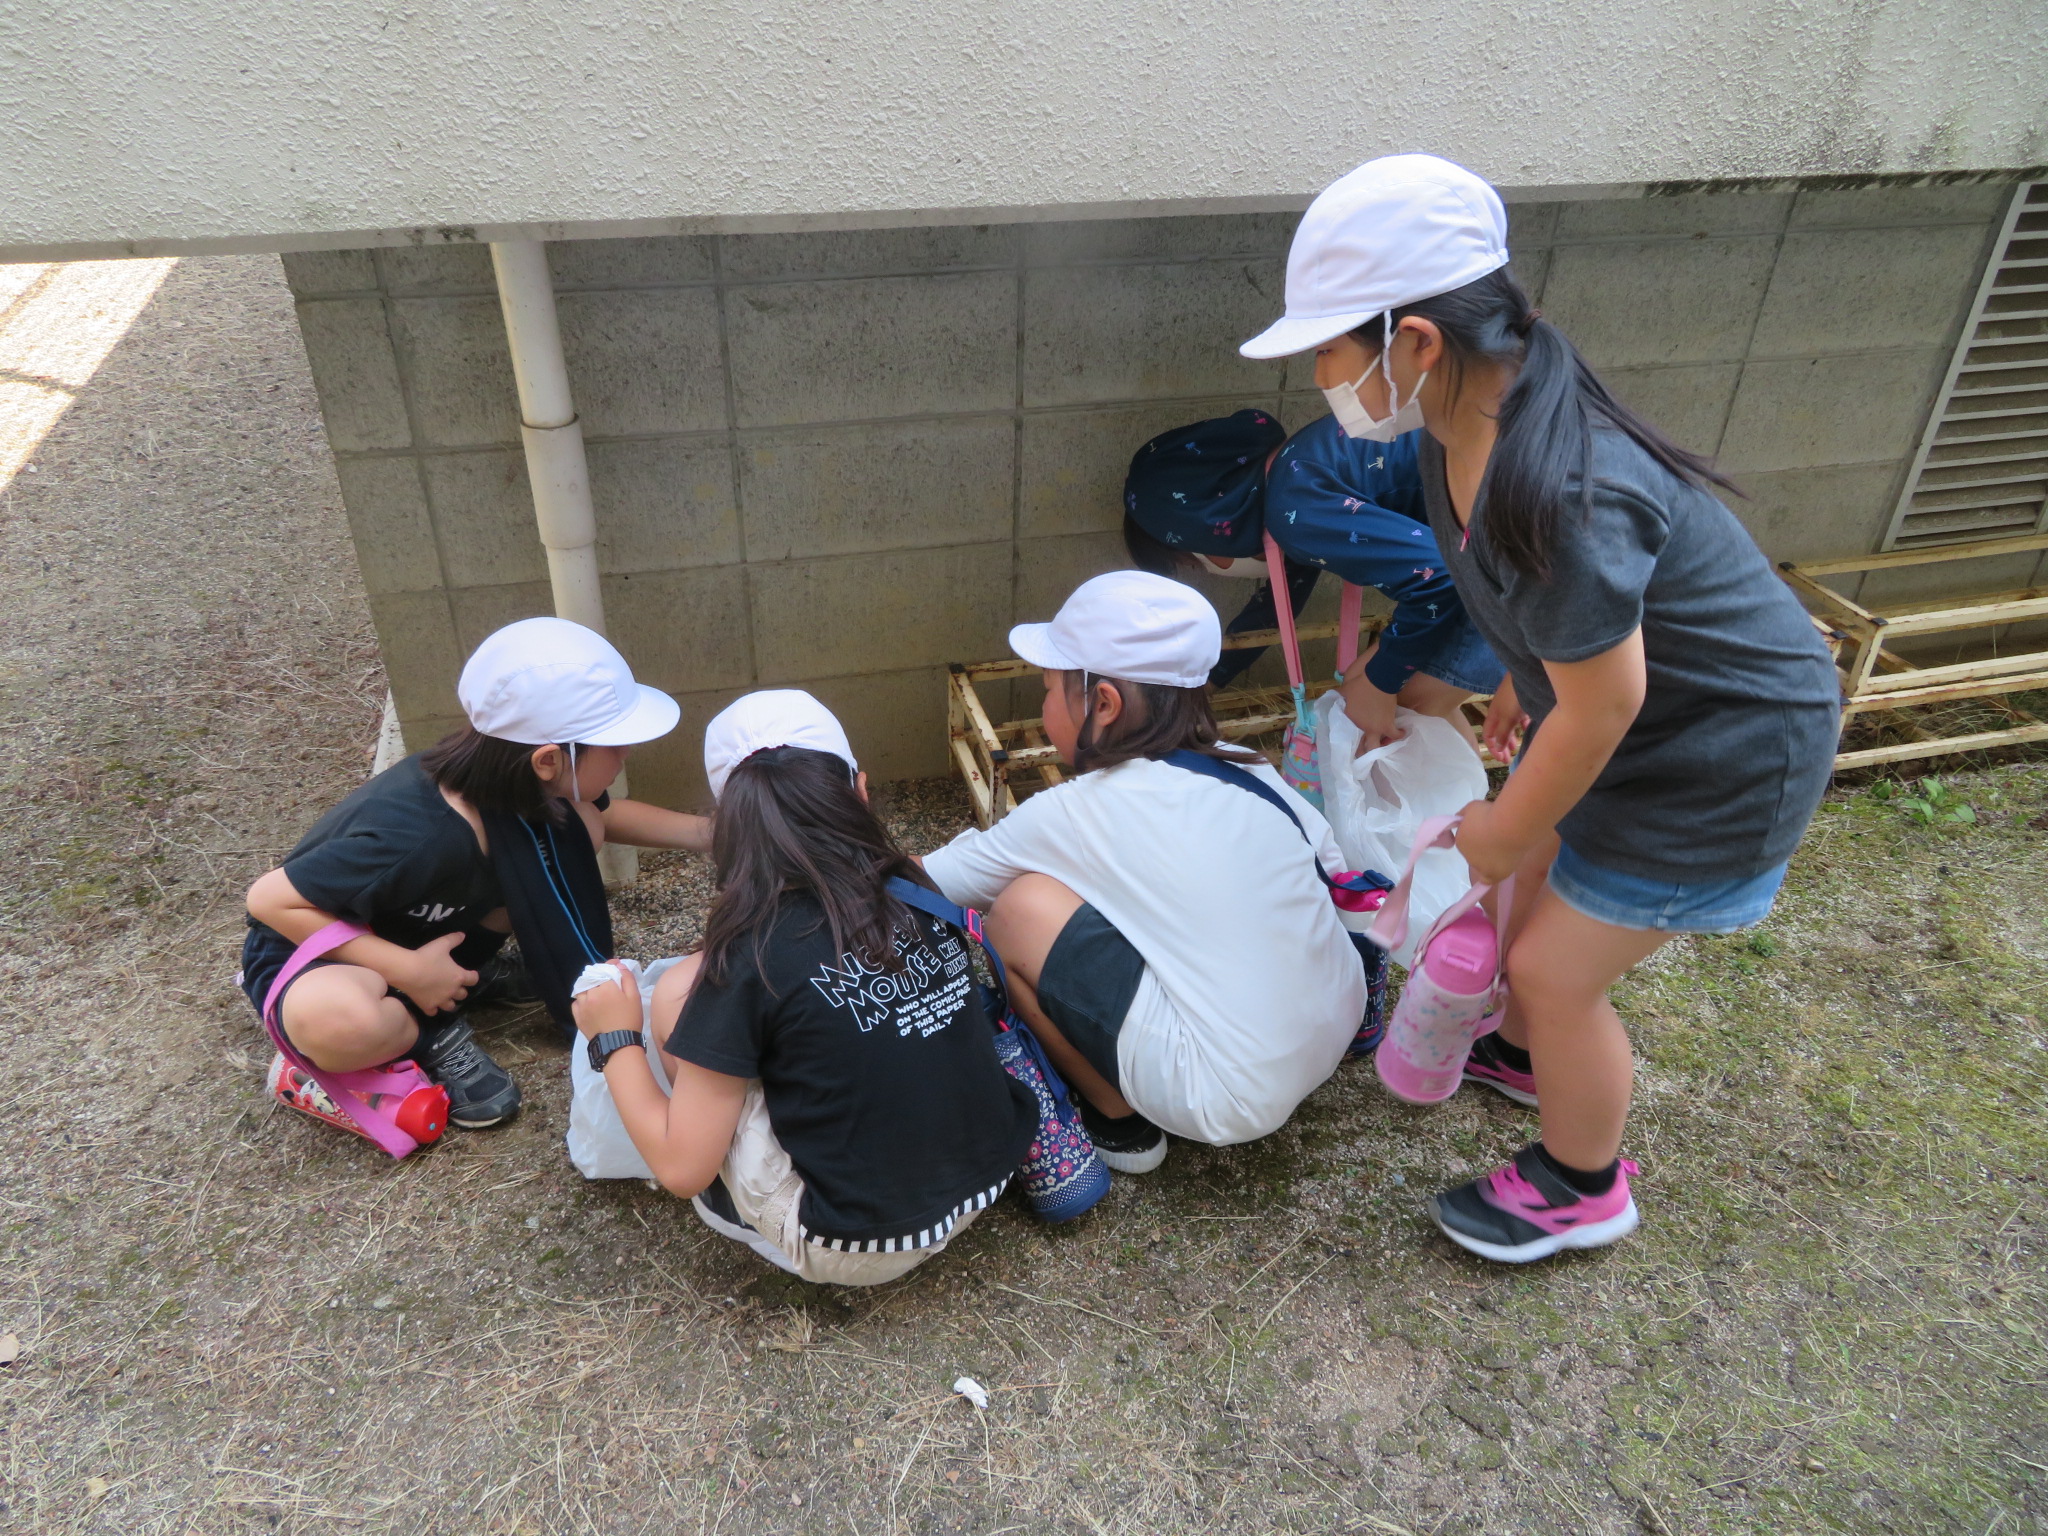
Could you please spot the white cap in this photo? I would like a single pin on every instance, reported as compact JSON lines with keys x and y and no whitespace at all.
{"x":775,"y":717}
{"x":1128,"y":624}
{"x":1395,"y":231}
{"x":548,"y":681}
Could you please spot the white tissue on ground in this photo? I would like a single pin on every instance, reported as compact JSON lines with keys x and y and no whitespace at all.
{"x":972,"y":1390}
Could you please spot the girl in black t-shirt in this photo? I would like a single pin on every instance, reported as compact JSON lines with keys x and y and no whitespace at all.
{"x":837,"y":1103}
{"x":492,"y":831}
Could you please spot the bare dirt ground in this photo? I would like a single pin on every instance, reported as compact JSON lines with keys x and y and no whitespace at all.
{"x":229,"y":1319}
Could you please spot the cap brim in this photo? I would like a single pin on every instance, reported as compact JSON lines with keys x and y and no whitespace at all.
{"x":653,"y":714}
{"x":1297,"y":333}
{"x":1033,"y":642}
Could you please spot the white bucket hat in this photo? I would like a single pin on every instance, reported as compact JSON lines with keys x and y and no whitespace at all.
{"x":544,"y":682}
{"x":774,"y":717}
{"x":1128,"y":624}
{"x":1395,"y":231}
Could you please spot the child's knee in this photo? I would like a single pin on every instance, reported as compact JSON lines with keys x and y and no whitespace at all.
{"x":336,"y":1015}
{"x":1035,"y":896}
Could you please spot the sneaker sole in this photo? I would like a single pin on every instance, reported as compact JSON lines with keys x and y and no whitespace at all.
{"x":1519,"y":1095}
{"x":471,"y":1118}
{"x":1595,"y":1235}
{"x":1134,"y":1162}
{"x":743,"y":1234}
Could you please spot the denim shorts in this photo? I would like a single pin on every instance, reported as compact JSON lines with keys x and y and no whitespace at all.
{"x":1465,"y":660}
{"x":1635,"y":901}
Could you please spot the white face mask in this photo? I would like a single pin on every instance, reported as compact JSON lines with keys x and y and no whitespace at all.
{"x":1241,"y":567}
{"x":1356,"y":420}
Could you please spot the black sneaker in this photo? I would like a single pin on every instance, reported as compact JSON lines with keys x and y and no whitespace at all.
{"x":480,"y":1092}
{"x":503,"y":982}
{"x":1128,"y":1143}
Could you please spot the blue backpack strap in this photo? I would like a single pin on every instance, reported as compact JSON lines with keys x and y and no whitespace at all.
{"x":966,"y":919}
{"x":1229,"y":773}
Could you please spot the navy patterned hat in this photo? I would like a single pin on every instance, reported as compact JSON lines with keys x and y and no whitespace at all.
{"x":1202,"y":487}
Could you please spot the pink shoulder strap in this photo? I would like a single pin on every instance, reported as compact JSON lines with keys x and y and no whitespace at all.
{"x":351,"y":1091}
{"x":1391,"y":926}
{"x":1283,"y":610}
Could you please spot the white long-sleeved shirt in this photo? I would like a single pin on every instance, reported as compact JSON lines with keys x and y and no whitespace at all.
{"x":1252,"y":988}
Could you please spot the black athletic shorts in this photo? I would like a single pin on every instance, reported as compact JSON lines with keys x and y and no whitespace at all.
{"x":1086,"y":987}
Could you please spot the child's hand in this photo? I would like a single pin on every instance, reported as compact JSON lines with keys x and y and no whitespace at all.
{"x":608,"y":1006}
{"x":434,"y":980}
{"x":1505,"y":723}
{"x":1491,"y":849}
{"x":1371,"y":711}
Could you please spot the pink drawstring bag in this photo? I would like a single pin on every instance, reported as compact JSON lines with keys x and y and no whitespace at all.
{"x":396,"y":1105}
{"x":1458,"y":981}
{"x":1298,"y":764}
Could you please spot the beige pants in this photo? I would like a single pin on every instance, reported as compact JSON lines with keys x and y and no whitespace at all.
{"x":767,"y":1191}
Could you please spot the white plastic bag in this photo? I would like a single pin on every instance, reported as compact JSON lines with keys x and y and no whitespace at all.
{"x":597,"y":1139}
{"x":1377,"y":803}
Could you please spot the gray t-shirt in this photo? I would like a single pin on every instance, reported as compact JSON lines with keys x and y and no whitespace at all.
{"x":1728,"y":759}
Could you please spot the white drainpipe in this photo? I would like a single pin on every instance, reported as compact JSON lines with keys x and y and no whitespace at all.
{"x":555,"y":464}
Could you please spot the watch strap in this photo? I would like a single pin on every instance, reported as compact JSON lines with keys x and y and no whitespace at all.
{"x":604,"y":1046}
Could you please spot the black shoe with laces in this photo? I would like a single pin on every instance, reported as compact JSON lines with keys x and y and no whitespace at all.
{"x":480,"y":1092}
{"x":503,"y":982}
{"x":1128,"y":1143}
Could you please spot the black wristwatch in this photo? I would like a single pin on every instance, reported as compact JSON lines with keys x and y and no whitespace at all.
{"x":604,"y":1046}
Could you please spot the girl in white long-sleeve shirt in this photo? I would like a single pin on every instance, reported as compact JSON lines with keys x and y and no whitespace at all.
{"x":1166,"y":933}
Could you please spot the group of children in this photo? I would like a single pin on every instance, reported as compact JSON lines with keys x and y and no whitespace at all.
{"x":826,"y":1084}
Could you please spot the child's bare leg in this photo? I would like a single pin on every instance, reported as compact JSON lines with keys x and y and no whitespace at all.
{"x":343,"y":1018}
{"x":1023,"y":925}
{"x":1529,"y":881}
{"x":1428,"y":695}
{"x":1560,"y":967}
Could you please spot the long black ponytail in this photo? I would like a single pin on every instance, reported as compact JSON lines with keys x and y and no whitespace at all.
{"x":1546,"y":418}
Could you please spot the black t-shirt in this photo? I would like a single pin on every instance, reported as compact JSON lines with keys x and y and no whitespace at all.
{"x":882,"y":1086}
{"x":397,"y":858}
{"x":1732,"y":750}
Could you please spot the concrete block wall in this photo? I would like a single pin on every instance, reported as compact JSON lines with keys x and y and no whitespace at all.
{"x":842,"y":460}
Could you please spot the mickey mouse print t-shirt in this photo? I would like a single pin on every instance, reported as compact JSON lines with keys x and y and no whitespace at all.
{"x":882,"y":1085}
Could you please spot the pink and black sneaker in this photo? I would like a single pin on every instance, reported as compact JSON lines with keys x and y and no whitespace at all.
{"x":1488,"y":1065}
{"x":1524,"y":1212}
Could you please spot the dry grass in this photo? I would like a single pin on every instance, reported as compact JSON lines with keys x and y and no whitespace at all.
{"x":233,"y":1320}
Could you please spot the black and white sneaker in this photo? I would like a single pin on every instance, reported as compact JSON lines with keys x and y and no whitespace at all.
{"x":481,"y":1093}
{"x":503,"y":982}
{"x":1128,"y":1143}
{"x":715,"y":1209}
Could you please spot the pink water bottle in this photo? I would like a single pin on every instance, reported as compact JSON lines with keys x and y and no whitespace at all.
{"x":1454,"y":988}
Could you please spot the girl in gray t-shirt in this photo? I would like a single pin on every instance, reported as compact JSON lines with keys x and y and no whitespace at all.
{"x":1670,"y":708}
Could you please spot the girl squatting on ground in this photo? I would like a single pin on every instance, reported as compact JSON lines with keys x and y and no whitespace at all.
{"x":837,"y":1103}
{"x":490,"y":832}
{"x":1671,"y":711}
{"x":1167,"y":937}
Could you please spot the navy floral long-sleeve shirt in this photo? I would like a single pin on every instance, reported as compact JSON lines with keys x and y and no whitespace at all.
{"x":1354,"y":508}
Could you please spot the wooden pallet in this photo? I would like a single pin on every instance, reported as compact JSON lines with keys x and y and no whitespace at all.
{"x":1875,"y":678}
{"x":1003,"y":763}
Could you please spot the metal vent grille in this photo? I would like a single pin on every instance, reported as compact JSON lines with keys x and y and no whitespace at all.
{"x":1982,"y":469}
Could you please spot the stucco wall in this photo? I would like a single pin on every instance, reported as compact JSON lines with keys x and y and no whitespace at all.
{"x":159,"y":124}
{"x":843,"y":460}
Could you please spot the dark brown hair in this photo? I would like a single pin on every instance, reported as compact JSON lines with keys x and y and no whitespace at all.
{"x":789,"y":819}
{"x":1546,"y":418}
{"x":1156,"y":720}
{"x":489,"y":772}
